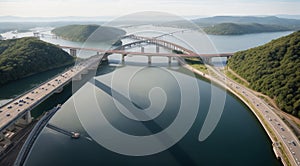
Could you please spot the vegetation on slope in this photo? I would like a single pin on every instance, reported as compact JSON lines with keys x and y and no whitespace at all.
{"x":94,"y":33}
{"x":238,"y":29}
{"x":227,"y":25}
{"x":273,"y":69}
{"x":27,"y":56}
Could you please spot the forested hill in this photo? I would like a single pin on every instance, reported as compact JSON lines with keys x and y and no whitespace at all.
{"x":27,"y":56}
{"x":94,"y":33}
{"x":238,"y":29}
{"x":273,"y":69}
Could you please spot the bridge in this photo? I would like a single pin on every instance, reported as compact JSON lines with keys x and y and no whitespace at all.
{"x":184,"y":52}
{"x":17,"y":111}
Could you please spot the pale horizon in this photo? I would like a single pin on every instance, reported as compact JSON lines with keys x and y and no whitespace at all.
{"x":116,"y":8}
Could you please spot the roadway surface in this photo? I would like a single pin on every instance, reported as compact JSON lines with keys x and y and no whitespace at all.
{"x":147,"y":53}
{"x":283,"y":133}
{"x":18,"y":107}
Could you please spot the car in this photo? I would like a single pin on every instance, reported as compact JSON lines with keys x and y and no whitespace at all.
{"x":20,"y":105}
{"x":266,"y":111}
{"x":1,"y":111}
{"x":7,"y":114}
{"x":9,"y":107}
{"x":27,"y":97}
{"x":293,"y":142}
{"x":282,"y":128}
{"x":15,"y":103}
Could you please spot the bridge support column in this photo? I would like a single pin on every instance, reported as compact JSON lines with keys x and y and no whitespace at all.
{"x":59,"y":90}
{"x":142,"y":49}
{"x":25,"y":120}
{"x":73,"y":52}
{"x":77,"y":77}
{"x":169,"y":60}
{"x":149,"y":59}
{"x":123,"y":58}
{"x":157,"y":49}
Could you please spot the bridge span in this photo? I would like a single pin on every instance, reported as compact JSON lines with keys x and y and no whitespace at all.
{"x":18,"y":110}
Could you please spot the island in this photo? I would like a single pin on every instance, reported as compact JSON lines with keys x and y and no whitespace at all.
{"x":273,"y":69}
{"x":26,"y":56}
{"x":91,"y":33}
{"x":239,"y":29}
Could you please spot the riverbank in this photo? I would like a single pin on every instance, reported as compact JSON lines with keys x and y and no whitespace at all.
{"x":286,"y":156}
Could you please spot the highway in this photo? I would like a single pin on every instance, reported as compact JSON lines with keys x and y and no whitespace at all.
{"x":283,"y":133}
{"x":19,"y":106}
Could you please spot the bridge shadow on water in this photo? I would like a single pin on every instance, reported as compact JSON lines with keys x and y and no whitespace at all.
{"x":179,"y":154}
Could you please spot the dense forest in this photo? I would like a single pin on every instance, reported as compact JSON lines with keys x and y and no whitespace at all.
{"x":92,"y":33}
{"x":238,"y":29}
{"x":273,"y":69}
{"x":26,"y":56}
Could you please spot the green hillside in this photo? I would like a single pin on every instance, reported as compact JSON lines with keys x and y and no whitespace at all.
{"x":95,"y":33}
{"x":273,"y":69}
{"x":238,"y":29}
{"x":27,"y":56}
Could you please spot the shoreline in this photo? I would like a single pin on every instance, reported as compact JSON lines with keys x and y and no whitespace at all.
{"x":256,"y":113}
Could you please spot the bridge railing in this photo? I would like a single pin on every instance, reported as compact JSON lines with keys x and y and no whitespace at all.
{"x":31,"y":89}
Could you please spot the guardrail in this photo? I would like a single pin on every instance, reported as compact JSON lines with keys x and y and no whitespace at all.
{"x":22,"y":156}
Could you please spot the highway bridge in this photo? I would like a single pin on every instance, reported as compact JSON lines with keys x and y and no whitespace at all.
{"x":141,"y":41}
{"x":18,"y":110}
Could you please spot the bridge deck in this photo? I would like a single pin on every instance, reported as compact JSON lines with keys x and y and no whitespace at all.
{"x":148,"y":53}
{"x":17,"y":108}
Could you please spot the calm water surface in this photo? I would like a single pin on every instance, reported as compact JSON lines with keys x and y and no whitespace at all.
{"x":237,"y":140}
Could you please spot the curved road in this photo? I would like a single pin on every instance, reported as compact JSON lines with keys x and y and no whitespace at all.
{"x":283,"y":133}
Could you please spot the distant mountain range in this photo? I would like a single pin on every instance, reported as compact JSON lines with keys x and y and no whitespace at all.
{"x":231,"y":25}
{"x":220,"y":25}
{"x":271,"y":20}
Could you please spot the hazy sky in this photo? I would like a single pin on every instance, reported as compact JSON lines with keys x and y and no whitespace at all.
{"x":115,"y":8}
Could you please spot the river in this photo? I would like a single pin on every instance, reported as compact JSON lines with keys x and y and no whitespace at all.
{"x":238,"y":139}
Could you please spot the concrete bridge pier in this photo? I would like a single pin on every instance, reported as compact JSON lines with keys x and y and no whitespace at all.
{"x":84,"y":71}
{"x":123,"y":58}
{"x":157,"y":49}
{"x":59,"y":90}
{"x":149,"y":59}
{"x":77,"y":77}
{"x":142,"y":49}
{"x":36,"y":34}
{"x":73,"y":52}
{"x":26,"y":119}
{"x":169,"y":60}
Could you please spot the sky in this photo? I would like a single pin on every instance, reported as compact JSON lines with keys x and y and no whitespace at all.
{"x":117,"y":8}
